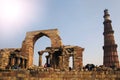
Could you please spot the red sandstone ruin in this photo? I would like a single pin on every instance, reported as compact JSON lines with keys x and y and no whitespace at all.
{"x":58,"y":57}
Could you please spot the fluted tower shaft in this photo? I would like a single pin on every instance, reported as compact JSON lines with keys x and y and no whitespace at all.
{"x":110,"y":48}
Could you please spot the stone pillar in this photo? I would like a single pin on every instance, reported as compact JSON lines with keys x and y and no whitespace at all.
{"x":18,"y":61}
{"x":78,"y":57}
{"x":47,"y":60}
{"x":53,"y":62}
{"x":12,"y":61}
{"x":63,"y":60}
{"x":40,"y":58}
{"x":73,"y":61}
{"x":26,"y":62}
{"x":60,"y":62}
{"x":22,"y":63}
{"x":51,"y":59}
{"x":9,"y":62}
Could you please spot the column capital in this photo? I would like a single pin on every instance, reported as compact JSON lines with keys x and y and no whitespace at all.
{"x":40,"y":52}
{"x":47,"y":56}
{"x":40,"y":57}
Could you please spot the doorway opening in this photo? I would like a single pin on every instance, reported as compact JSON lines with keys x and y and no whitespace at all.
{"x":41,"y":44}
{"x":71,"y":62}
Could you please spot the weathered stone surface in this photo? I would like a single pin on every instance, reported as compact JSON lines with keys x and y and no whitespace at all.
{"x":11,"y":58}
{"x":4,"y":56}
{"x":32,"y":37}
{"x":58,"y":53}
{"x":71,"y":75}
{"x":58,"y":58}
{"x":17,"y":63}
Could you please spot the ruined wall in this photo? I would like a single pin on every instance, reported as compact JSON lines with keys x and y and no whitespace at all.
{"x":59,"y":54}
{"x":78,"y":58}
{"x":32,"y":37}
{"x":4,"y":56}
{"x":70,"y":75}
{"x":10,"y":58}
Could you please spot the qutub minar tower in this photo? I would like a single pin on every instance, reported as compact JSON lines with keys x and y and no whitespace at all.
{"x":110,"y":47}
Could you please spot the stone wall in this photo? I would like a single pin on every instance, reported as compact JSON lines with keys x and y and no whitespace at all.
{"x":70,"y":75}
{"x":78,"y":57}
{"x":31,"y":37}
{"x":11,"y":58}
{"x":58,"y":57}
{"x":4,"y":56}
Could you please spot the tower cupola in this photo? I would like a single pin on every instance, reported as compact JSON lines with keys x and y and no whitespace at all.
{"x":106,"y":15}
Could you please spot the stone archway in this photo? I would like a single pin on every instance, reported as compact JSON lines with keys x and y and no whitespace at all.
{"x":30,"y":39}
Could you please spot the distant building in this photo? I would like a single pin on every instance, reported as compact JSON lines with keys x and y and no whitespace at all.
{"x":110,"y":47}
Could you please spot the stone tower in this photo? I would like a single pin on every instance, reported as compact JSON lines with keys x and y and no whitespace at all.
{"x":110,"y":48}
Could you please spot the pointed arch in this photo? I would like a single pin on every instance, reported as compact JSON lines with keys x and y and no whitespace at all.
{"x":39,"y":45}
{"x":30,"y":39}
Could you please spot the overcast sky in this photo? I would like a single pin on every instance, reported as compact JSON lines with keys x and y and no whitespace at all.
{"x":80,"y":22}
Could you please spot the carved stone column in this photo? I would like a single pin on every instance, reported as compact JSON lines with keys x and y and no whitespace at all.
{"x":18,"y":61}
{"x":51,"y":59}
{"x":63,"y":59}
{"x":12,"y":61}
{"x":60,"y":62}
{"x":47,"y":60}
{"x":40,"y":58}
{"x":22,"y":63}
{"x":9,"y":62}
{"x":26,"y":63}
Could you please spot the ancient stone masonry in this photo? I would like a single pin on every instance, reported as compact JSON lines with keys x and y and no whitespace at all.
{"x":58,"y":54}
{"x":17,"y":63}
{"x":71,"y":75}
{"x":110,"y":48}
{"x":58,"y":57}
{"x":33,"y":36}
{"x":11,"y":59}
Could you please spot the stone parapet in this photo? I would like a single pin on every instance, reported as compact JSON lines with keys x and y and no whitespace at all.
{"x":58,"y":75}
